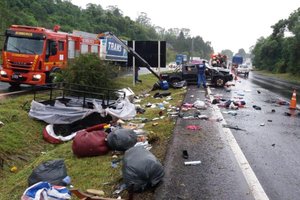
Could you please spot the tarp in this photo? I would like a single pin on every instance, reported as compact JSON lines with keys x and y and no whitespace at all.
{"x":57,"y":114}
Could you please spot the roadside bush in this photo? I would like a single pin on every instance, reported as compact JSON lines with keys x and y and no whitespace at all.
{"x":88,"y":69}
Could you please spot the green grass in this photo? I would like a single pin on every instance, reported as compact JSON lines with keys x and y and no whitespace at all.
{"x":22,"y":145}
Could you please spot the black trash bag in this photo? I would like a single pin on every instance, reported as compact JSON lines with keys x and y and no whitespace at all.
{"x":141,"y":169}
{"x":52,"y":171}
{"x":121,"y":139}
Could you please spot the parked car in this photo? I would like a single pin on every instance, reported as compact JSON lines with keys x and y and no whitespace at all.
{"x":243,"y":69}
{"x":216,"y":76}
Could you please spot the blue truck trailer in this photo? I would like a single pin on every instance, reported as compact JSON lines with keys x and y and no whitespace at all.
{"x":181,"y":59}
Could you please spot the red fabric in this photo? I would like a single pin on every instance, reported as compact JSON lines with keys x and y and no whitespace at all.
{"x":89,"y":143}
{"x":49,"y":138}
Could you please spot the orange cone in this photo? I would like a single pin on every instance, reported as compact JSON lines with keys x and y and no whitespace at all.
{"x":293,"y":102}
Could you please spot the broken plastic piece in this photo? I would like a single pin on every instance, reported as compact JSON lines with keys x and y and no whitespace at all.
{"x":197,"y":162}
{"x":193,"y":127}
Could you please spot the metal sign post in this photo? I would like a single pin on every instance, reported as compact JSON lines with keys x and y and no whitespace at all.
{"x":133,"y":65}
{"x":158,"y":57}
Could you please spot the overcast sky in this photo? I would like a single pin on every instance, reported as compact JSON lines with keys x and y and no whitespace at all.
{"x":227,"y":24}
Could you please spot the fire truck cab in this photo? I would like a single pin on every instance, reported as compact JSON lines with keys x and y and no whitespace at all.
{"x":31,"y":54}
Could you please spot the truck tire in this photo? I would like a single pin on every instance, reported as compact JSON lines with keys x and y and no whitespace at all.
{"x":219,"y":81}
{"x":14,"y":85}
{"x":174,"y":80}
{"x":50,"y":76}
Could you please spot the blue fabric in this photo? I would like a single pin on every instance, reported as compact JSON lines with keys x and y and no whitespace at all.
{"x":40,"y":189}
{"x":201,"y":69}
{"x":201,"y":75}
{"x":201,"y":78}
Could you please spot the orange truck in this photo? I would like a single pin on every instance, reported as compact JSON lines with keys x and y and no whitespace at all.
{"x":31,"y":54}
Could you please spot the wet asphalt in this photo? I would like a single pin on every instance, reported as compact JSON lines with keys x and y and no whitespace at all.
{"x":273,"y":149}
{"x":269,"y":141}
{"x":217,"y":177}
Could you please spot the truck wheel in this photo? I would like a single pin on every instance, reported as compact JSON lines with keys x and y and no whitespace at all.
{"x":14,"y":85}
{"x":175,"y":80}
{"x":219,"y":81}
{"x":51,"y":76}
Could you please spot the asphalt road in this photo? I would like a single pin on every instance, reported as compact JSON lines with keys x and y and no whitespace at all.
{"x":270,"y":141}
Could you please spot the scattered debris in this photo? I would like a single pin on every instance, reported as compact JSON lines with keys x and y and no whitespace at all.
{"x":155,"y":124}
{"x":197,"y":162}
{"x":287,"y":114}
{"x":95,"y":192}
{"x":13,"y":169}
{"x":1,"y":124}
{"x":256,"y":107}
{"x":233,"y":127}
{"x":205,"y":117}
{"x":185,"y":154}
{"x":193,"y":127}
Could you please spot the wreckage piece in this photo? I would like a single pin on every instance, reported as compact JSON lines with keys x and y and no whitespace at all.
{"x":85,"y":196}
{"x":44,"y":190}
{"x":233,"y":127}
{"x":90,"y":142}
{"x":57,"y":133}
{"x":141,"y":169}
{"x":121,"y":139}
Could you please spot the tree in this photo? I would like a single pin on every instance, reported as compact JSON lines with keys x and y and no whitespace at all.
{"x":242,"y":52}
{"x":228,"y":53}
{"x":94,"y":73}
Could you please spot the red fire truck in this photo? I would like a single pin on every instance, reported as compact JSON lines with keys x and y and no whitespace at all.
{"x":32,"y":54}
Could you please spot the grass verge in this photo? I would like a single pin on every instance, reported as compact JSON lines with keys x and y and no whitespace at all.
{"x":22,"y":145}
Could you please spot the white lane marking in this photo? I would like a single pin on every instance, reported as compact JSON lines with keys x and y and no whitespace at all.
{"x":254,"y":185}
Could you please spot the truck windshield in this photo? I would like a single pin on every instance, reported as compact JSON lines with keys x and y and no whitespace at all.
{"x":24,"y":45}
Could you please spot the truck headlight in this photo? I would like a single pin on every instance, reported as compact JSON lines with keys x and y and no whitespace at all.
{"x":3,"y":73}
{"x":37,"y":77}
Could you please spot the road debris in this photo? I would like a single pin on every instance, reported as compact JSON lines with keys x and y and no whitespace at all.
{"x":233,"y":127}
{"x":196,"y":162}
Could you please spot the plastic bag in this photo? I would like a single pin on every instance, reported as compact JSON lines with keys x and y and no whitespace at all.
{"x":141,"y":169}
{"x":121,"y":139}
{"x":52,"y":171}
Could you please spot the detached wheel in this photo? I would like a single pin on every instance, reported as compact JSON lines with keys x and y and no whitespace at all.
{"x":219,"y":81}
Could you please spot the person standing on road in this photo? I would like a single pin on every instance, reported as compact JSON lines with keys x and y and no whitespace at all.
{"x":201,"y":74}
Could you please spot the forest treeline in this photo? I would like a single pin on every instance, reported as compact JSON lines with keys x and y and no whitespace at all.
{"x":278,"y":52}
{"x":95,"y":19}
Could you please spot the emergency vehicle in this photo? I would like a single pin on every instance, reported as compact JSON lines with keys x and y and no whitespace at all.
{"x":31,"y":54}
